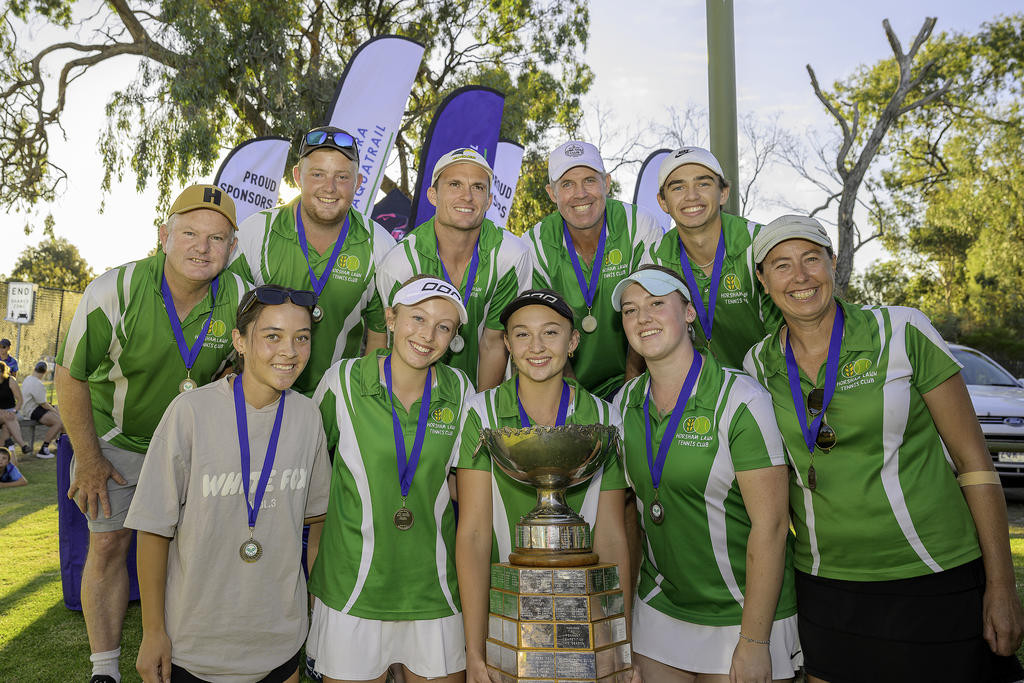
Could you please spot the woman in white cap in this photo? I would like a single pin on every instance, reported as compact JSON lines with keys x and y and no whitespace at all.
{"x":715,"y":599}
{"x":384,"y":578}
{"x":232,"y":472}
{"x":901,"y":574}
{"x":540,"y":338}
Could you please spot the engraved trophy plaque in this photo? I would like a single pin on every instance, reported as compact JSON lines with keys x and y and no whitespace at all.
{"x":556,"y":612}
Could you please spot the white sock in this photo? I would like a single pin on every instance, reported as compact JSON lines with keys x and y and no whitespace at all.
{"x":106,"y":663}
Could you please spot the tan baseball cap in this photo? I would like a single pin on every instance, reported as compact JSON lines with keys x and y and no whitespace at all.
{"x":788,"y":227}
{"x":205,"y":197}
{"x":462,"y":155}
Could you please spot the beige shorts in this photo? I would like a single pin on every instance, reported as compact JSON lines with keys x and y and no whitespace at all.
{"x":129,"y":465}
{"x":355,"y":649}
{"x":708,"y":649}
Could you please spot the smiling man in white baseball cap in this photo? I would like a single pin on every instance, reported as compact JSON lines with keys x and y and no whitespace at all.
{"x":582,"y":250}
{"x":488,"y":265}
{"x":712,"y":250}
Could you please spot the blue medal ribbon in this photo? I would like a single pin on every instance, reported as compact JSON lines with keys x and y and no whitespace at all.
{"x":658,"y":466}
{"x":705,"y":315}
{"x":589,"y":290}
{"x":318,"y":283}
{"x":831,"y":374}
{"x":563,"y":406}
{"x":474,"y":263}
{"x":189,"y":354}
{"x":407,"y":466}
{"x":243,"y":445}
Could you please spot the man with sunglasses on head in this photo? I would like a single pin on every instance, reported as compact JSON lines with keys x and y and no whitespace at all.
{"x":318,"y":242}
{"x":143,"y":333}
{"x":489,"y":265}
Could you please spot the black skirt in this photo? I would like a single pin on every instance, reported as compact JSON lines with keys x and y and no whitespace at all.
{"x":927,"y":628}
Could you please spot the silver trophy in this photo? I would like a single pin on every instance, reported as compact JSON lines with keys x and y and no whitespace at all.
{"x":555,"y":611}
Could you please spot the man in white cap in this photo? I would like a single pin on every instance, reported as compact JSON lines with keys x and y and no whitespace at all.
{"x":142,"y":333}
{"x":712,"y":250}
{"x":489,"y":265}
{"x":582,"y":250}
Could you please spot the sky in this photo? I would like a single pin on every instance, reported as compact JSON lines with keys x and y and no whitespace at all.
{"x":646,"y":56}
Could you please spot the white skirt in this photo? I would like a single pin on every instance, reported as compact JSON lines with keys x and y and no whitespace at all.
{"x":708,"y":649}
{"x":356,"y":649}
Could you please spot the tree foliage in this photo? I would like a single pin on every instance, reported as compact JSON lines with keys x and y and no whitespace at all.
{"x":954,"y":178}
{"x":213,"y":73}
{"x":54,"y":262}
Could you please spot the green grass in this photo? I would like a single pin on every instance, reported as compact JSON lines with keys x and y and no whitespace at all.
{"x":41,"y":640}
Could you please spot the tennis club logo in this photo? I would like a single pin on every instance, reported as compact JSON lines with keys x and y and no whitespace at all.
{"x":697,"y":425}
{"x":349,"y":261}
{"x":615,"y":257}
{"x":444,"y":415}
{"x":573,"y":150}
{"x":218,"y":328}
{"x":857,"y":367}
{"x":732,"y":283}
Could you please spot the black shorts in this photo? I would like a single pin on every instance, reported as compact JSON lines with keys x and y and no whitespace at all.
{"x":278,"y":675}
{"x":37,"y":413}
{"x":927,"y":628}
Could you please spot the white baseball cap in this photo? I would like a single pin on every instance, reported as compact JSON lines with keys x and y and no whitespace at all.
{"x":571,"y":154}
{"x":458,"y":156}
{"x":788,"y":227}
{"x":427,"y":288}
{"x":688,"y":155}
{"x":656,"y":282}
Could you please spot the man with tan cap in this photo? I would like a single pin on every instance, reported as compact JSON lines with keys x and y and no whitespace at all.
{"x":489,"y":265}
{"x":712,"y":250}
{"x":582,"y":250}
{"x":143,"y":333}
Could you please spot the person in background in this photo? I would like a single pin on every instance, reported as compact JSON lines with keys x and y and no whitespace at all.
{"x":10,"y":401}
{"x":35,"y":407}
{"x":218,"y":603}
{"x":10,"y":476}
{"x":6,"y":358}
{"x":903,"y":566}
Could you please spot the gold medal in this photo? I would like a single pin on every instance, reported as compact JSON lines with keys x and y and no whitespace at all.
{"x":589,"y":323}
{"x":251,"y":550}
{"x":657,"y":509}
{"x":403,"y":518}
{"x":187,"y":384}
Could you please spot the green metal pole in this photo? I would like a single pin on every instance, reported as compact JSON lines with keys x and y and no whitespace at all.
{"x":722,"y":94}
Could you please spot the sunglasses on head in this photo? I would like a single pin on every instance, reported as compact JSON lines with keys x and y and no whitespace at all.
{"x":827,"y":438}
{"x":339,"y":140}
{"x":273,"y":295}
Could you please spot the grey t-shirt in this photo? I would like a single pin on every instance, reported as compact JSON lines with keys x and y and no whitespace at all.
{"x":231,"y":621}
{"x":33,"y":393}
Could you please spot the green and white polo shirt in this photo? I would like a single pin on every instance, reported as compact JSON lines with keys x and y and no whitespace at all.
{"x":505,"y":270}
{"x":695,"y":566}
{"x":120,"y":341}
{"x":511,"y":499}
{"x":600,"y":360}
{"x":744,"y":313}
{"x":366,"y":566}
{"x":269,"y":252}
{"x":887,"y":504}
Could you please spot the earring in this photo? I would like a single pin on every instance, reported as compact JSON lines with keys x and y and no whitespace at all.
{"x":571,"y":354}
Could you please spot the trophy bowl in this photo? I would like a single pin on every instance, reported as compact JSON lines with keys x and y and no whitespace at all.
{"x":551,"y":459}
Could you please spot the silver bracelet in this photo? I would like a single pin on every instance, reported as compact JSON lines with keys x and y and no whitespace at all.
{"x":753,"y":640}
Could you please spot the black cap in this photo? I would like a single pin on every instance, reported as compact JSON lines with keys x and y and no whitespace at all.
{"x":538,"y":297}
{"x":5,"y":342}
{"x":41,"y":366}
{"x":329,"y":137}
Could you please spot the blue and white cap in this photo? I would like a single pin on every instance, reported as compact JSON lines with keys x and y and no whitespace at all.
{"x":656,"y":282}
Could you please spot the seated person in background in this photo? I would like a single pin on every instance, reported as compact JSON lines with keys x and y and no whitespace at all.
{"x":35,"y":407}
{"x":9,"y":474}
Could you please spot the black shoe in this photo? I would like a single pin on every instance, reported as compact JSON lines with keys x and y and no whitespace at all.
{"x":25,"y":450}
{"x":102,"y":678}
{"x":9,"y":442}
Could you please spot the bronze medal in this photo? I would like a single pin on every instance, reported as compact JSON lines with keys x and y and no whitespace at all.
{"x":403,"y":518}
{"x":251,"y":550}
{"x":657,"y":512}
{"x":318,"y":314}
{"x":187,"y":384}
{"x":589,"y":323}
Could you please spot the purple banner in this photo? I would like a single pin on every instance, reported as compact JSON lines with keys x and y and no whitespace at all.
{"x":468,"y":117}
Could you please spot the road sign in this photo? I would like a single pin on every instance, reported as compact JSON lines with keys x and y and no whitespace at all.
{"x":21,"y":298}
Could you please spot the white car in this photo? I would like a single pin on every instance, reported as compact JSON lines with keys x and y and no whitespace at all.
{"x":998,"y":399}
